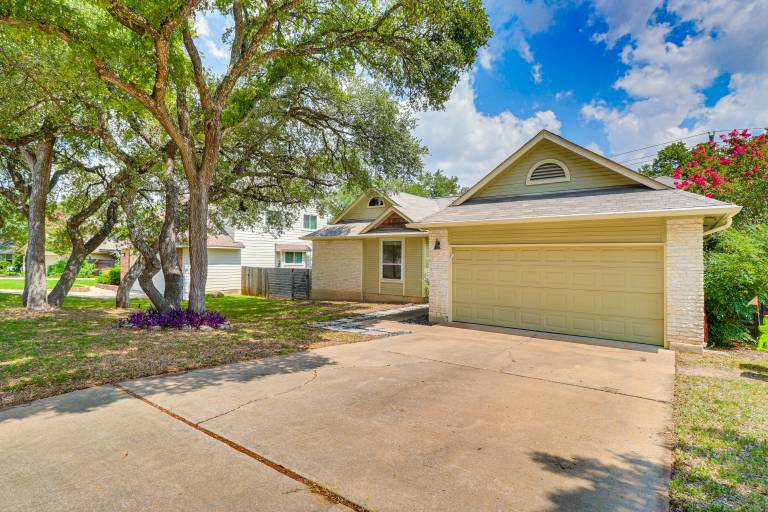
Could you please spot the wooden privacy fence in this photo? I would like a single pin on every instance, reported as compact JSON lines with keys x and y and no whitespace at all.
{"x":283,"y":283}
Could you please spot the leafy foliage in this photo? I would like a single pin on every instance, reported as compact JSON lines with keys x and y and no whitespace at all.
{"x":86,"y":270}
{"x":736,"y":170}
{"x":109,"y":276}
{"x":667,"y":160}
{"x":425,"y":184}
{"x":736,"y":269}
{"x":174,"y":318}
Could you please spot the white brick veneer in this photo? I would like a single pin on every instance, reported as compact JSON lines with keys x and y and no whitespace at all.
{"x":439,"y":277}
{"x":684,"y":284}
{"x":337,"y":269}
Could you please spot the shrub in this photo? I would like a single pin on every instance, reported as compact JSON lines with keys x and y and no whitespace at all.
{"x":109,"y":276}
{"x":736,"y":269}
{"x":86,"y":270}
{"x":175,"y":319}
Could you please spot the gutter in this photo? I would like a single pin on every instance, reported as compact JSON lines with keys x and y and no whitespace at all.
{"x":719,"y":227}
{"x":729,"y":211}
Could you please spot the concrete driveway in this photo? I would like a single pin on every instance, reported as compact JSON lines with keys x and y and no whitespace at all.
{"x":443,"y":419}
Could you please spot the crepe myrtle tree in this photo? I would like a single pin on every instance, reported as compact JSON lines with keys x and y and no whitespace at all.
{"x":417,"y":48}
{"x":734,"y":170}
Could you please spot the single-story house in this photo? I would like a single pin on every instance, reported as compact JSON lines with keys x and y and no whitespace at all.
{"x":557,"y":238}
{"x":368,"y":253}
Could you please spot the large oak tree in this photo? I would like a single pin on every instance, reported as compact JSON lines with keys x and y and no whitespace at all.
{"x":147,"y":50}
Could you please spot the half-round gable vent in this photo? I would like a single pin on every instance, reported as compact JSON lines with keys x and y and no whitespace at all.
{"x":548,"y":171}
{"x":375,"y":202}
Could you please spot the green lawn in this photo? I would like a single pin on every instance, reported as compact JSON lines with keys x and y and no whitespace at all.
{"x":18,"y":283}
{"x":721,"y":430}
{"x":48,"y":353}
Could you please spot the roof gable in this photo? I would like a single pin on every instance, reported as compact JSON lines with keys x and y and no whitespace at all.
{"x":585,"y":170}
{"x":358,"y":210}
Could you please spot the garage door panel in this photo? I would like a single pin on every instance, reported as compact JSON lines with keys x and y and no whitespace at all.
{"x":604,"y":292}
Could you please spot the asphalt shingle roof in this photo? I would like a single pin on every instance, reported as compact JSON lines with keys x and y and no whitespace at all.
{"x":588,"y":202}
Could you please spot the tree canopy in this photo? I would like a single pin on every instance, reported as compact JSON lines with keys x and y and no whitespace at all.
{"x":146,"y":51}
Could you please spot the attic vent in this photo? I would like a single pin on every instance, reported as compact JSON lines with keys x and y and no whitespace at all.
{"x":375,"y":202}
{"x":548,"y":171}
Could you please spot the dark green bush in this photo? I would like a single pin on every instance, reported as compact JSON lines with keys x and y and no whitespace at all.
{"x":109,"y":276}
{"x":736,"y":269}
{"x":87,"y":270}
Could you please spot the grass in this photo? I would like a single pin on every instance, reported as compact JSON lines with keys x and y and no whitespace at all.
{"x":18,"y":283}
{"x":48,"y":353}
{"x":721,"y":430}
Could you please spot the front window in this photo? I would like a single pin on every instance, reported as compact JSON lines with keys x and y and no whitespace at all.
{"x":293,"y":258}
{"x":392,"y":259}
{"x":310,"y":221}
{"x":375,"y":202}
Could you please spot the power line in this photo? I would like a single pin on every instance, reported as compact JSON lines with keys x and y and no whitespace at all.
{"x":673,"y":141}
{"x":663,"y":143}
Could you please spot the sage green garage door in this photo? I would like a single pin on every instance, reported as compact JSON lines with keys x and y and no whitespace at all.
{"x":611,"y":292}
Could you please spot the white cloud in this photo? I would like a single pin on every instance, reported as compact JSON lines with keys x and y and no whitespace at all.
{"x":202,"y":28}
{"x":594,"y":147}
{"x":561,"y":95}
{"x":467,"y":143}
{"x":216,"y":51}
{"x":667,"y":75}
{"x":536,"y":73}
{"x":513,"y":22}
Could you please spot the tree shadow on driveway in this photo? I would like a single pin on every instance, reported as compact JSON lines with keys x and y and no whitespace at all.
{"x":83,"y":401}
{"x":634,"y":484}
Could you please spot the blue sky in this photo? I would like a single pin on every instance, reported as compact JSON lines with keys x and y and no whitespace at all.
{"x":612,"y":75}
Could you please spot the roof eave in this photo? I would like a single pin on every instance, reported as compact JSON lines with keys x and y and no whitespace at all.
{"x":729,"y":210}
{"x":395,"y":234}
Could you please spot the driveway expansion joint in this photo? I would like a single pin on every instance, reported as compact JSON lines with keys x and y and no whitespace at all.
{"x":512,"y":374}
{"x":313,"y":486}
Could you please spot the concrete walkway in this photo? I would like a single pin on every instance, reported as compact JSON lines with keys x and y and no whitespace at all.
{"x":443,"y":419}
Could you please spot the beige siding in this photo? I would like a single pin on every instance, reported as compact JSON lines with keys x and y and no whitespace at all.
{"x":361,"y":211}
{"x":414,"y":255}
{"x":376,"y":290}
{"x":337,"y":269}
{"x":607,"y":231}
{"x":585,"y":174}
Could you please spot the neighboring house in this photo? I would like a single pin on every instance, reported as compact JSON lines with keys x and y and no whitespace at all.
{"x":556,"y":239}
{"x":105,"y":255}
{"x":228,"y":252}
{"x":368,"y":253}
{"x":7,"y":250}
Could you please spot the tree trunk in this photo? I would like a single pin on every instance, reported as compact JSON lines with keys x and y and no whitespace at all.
{"x":123,"y":297}
{"x":35,"y":286}
{"x":149,"y":288}
{"x":166,"y":243}
{"x":80,"y":250}
{"x":198,"y":245}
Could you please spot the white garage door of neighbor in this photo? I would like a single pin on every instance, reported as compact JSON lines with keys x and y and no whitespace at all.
{"x":610,"y":292}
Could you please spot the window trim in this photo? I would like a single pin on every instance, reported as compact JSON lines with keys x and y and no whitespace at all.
{"x":304,"y":222}
{"x":567,"y":176}
{"x":383,"y":279}
{"x":381,"y":202}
